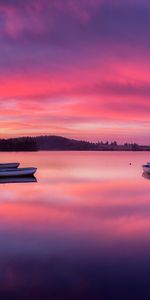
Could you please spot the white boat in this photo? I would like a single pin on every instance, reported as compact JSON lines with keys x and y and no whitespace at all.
{"x":17,"y":172}
{"x":9,"y":165}
{"x":146,"y":168}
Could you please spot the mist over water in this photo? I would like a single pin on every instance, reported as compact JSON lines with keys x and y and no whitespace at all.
{"x":80,"y":232}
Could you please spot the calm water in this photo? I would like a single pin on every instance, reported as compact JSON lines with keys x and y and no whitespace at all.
{"x":81,"y":232}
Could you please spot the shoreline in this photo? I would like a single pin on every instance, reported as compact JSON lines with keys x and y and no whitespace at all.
{"x":74,"y":150}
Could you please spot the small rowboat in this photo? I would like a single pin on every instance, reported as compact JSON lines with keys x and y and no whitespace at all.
{"x":17,"y":172}
{"x":146,"y":168}
{"x":9,"y":165}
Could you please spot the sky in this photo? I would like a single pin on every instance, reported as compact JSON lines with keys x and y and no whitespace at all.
{"x":75,"y":68}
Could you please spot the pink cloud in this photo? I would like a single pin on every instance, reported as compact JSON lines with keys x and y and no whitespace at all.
{"x":74,"y":64}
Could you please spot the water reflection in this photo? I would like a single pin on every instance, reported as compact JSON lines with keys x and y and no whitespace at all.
{"x":22,"y":179}
{"x":146,"y":175}
{"x":82,"y":232}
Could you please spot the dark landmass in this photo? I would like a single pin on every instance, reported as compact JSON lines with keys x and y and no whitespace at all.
{"x":59,"y":143}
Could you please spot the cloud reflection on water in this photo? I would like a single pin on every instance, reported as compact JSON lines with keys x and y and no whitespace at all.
{"x":86,"y":235}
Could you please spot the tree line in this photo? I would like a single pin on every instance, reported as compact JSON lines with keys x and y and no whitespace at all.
{"x":61,"y":143}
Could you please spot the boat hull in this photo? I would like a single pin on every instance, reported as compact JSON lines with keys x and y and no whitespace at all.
{"x":9,"y":165}
{"x":146,"y":169}
{"x":17,"y":172}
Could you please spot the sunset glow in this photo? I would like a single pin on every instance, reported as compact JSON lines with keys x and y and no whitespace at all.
{"x":79,"y":69}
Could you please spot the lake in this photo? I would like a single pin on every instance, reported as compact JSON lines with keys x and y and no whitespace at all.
{"x":82,"y":231}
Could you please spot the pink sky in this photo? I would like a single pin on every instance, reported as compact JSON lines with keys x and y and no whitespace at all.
{"x":74,"y":68}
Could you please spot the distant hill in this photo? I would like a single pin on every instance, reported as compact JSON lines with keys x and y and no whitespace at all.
{"x":61,"y":143}
{"x":58,"y":143}
{"x":44,"y":143}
